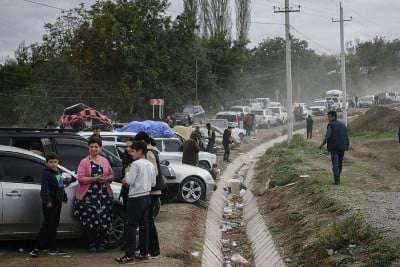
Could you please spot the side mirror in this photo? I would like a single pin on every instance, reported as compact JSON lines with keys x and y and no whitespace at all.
{"x":165,"y":162}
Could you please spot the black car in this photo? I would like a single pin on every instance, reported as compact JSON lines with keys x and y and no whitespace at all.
{"x":190,"y":114}
{"x":69,"y":146}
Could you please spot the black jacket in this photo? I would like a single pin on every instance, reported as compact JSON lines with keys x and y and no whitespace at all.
{"x":52,"y":189}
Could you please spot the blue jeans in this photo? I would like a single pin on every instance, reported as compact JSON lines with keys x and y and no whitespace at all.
{"x":337,"y":164}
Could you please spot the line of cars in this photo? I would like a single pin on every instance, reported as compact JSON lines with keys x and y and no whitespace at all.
{"x":22,"y":160}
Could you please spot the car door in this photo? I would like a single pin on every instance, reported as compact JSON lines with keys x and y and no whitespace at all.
{"x":21,"y":203}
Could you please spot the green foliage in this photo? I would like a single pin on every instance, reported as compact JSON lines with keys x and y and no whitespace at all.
{"x":352,"y":230}
{"x":356,"y":240}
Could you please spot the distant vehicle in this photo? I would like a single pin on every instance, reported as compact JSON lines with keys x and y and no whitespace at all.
{"x":264,"y":101}
{"x":306,"y":111}
{"x":241,"y":109}
{"x":281,"y":114}
{"x":223,"y":124}
{"x":185,"y":182}
{"x":274,"y":104}
{"x":196,"y":113}
{"x":334,"y":99}
{"x":265,"y":117}
{"x":318,"y":107}
{"x":169,"y":147}
{"x":388,"y":98}
{"x":20,"y":183}
{"x":234,"y":118}
{"x":366,"y":101}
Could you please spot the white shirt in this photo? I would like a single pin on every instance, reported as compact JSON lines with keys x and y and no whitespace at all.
{"x":140,"y":178}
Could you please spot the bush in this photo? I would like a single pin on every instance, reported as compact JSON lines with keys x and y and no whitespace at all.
{"x":351,"y":231}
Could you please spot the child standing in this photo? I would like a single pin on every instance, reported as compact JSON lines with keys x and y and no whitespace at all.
{"x":140,"y":178}
{"x":52,"y":194}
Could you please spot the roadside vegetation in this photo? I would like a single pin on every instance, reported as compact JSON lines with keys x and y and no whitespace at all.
{"x":312,"y":227}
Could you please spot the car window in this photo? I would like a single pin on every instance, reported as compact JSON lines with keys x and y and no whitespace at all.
{"x":5,"y":141}
{"x":172,"y":145}
{"x":108,"y":138}
{"x":20,"y":170}
{"x":71,"y":152}
{"x":159,"y":144}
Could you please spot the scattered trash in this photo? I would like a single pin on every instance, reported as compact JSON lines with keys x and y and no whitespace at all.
{"x":287,"y":185}
{"x":288,"y":260}
{"x":242,"y":192}
{"x":238,"y":261}
{"x":67,"y":256}
{"x":352,"y":246}
{"x":304,"y":176}
{"x":295,"y":216}
{"x":21,"y":250}
{"x":195,"y":254}
{"x":234,"y":244}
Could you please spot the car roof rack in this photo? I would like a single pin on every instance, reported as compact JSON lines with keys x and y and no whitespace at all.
{"x":68,"y":131}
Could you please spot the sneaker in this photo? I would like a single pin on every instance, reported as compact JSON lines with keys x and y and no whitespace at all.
{"x":34,"y":253}
{"x":124,"y":259}
{"x":153,"y":257}
{"x":142,"y":258}
{"x":57,"y":252}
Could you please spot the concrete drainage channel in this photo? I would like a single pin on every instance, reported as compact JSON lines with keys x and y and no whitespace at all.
{"x":262,"y":245}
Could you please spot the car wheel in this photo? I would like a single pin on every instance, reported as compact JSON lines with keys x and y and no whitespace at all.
{"x":204,"y":165}
{"x":192,"y":190}
{"x":118,"y":218}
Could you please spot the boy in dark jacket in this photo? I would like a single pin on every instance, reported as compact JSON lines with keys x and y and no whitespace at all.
{"x":52,"y":194}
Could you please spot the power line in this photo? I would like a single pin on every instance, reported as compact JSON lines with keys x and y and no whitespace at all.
{"x":43,"y":4}
{"x":311,"y":40}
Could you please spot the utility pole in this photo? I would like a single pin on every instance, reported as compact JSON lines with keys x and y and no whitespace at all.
{"x":343,"y":61}
{"x":197,"y":84}
{"x":289,"y":83}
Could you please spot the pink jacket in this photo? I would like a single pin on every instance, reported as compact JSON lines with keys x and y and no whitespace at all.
{"x":85,"y":170}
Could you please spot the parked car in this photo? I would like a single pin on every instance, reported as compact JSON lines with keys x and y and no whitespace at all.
{"x":237,"y":133}
{"x":274,"y":104}
{"x":169,"y":147}
{"x":234,"y":118}
{"x":318,"y":107}
{"x":21,"y":206}
{"x":366,"y":101}
{"x":69,"y":146}
{"x":281,"y":114}
{"x":195,"y":112}
{"x":184,"y":182}
{"x":241,"y":109}
{"x":265,"y":117}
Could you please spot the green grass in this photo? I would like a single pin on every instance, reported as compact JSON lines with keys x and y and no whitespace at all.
{"x":370,"y":135}
{"x":283,"y":164}
{"x":356,"y":241}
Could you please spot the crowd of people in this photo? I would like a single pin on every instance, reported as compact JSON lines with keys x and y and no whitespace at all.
{"x":143,"y":186}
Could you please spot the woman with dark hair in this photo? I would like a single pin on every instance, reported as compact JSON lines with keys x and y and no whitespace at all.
{"x":94,"y":196}
{"x":155,"y":194}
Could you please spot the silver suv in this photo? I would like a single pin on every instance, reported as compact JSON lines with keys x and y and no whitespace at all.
{"x":20,"y":203}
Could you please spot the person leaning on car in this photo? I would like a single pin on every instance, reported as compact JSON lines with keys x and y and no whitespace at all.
{"x":52,"y":194}
{"x":191,"y":150}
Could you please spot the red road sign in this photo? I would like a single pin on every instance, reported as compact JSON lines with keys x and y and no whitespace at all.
{"x":157,"y":102}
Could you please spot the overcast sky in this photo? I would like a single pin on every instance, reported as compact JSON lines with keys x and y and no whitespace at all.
{"x":21,"y":20}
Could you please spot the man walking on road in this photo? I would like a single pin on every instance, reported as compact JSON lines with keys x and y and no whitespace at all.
{"x":211,"y":139}
{"x":226,"y":142}
{"x":338,"y":142}
{"x":310,"y":124}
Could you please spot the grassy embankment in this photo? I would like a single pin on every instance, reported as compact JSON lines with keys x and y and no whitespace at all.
{"x":312,"y":228}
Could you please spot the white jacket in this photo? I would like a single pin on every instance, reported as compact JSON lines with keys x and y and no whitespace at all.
{"x":140,"y":178}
